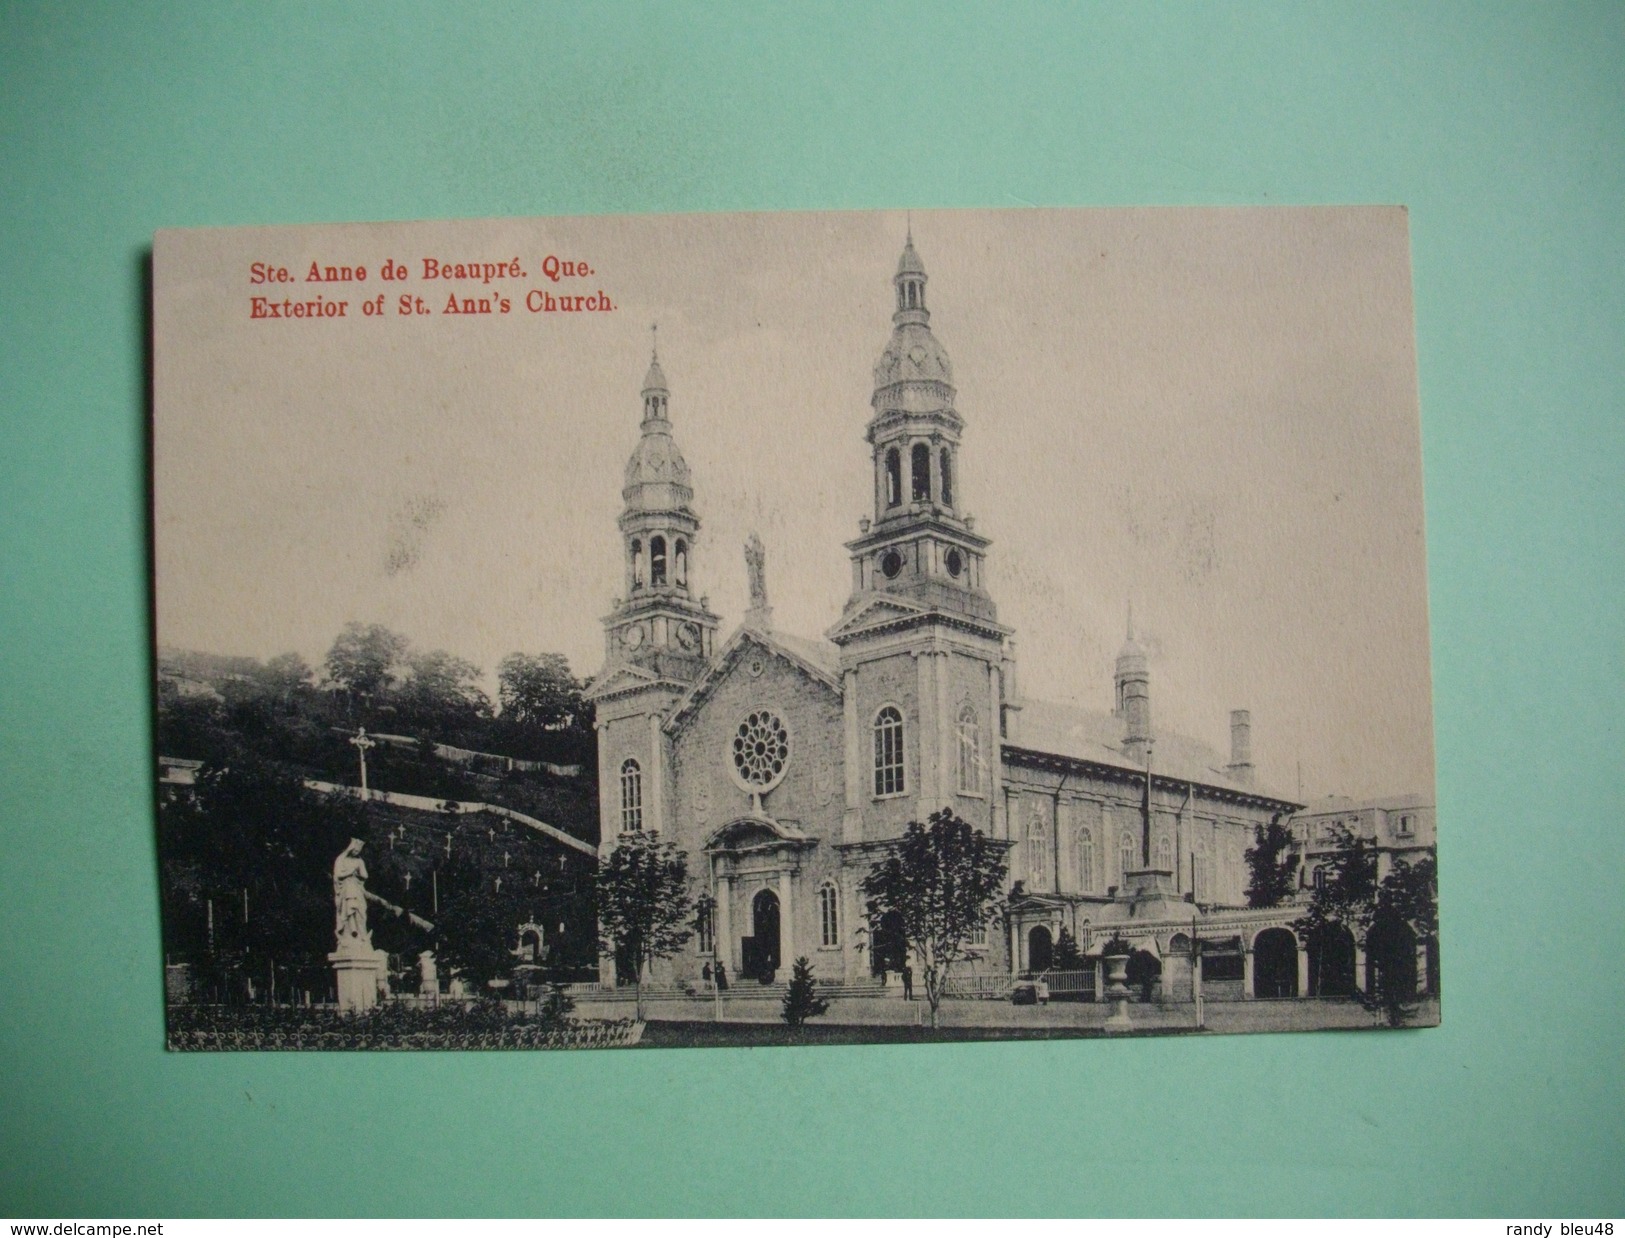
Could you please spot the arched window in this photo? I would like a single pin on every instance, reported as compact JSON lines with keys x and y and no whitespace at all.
{"x":970,"y":752}
{"x":946,"y":466}
{"x":679,"y":566}
{"x":1320,"y":876}
{"x":829,"y":924}
{"x":1165,"y":853}
{"x":920,"y":472}
{"x":1201,"y":880}
{"x":657,"y":561}
{"x":894,"y":478}
{"x":631,"y":796}
{"x":1038,"y":849}
{"x":888,"y":752}
{"x":637,"y":563}
{"x":1086,"y":858}
{"x":1128,"y":855}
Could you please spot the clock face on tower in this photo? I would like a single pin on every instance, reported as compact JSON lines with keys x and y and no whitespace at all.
{"x":632,"y":637}
{"x":688,"y":636}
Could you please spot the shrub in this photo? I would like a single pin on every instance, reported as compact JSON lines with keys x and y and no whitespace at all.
{"x":801,"y":1000}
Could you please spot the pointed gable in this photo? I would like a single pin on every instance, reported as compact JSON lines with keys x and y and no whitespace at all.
{"x":874,"y":612}
{"x":815,"y":660}
{"x":628,"y":677}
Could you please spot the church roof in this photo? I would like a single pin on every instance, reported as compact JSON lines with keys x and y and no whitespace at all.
{"x":1331,"y":805}
{"x":1097,"y":735}
{"x":816,"y":652}
{"x":818,"y":659}
{"x":655,"y":460}
{"x":913,"y":355}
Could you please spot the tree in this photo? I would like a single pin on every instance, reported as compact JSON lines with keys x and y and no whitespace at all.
{"x":1388,"y":918}
{"x":1272,"y":869}
{"x":943,"y":880}
{"x":478,"y":925}
{"x":543,"y":712}
{"x":285,"y":677}
{"x":801,"y":1000}
{"x":362,"y":659}
{"x":539,"y":690}
{"x":441,"y":691}
{"x":644,"y":907}
{"x":1067,"y":956}
{"x":1405,"y":915}
{"x":247,"y":872}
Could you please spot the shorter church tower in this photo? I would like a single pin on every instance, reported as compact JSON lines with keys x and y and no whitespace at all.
{"x":658,"y":637}
{"x":1133,"y":695}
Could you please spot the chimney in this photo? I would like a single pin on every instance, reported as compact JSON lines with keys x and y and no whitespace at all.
{"x":1241,"y":747}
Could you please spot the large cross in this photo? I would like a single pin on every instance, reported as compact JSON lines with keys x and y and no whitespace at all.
{"x":362,"y":743}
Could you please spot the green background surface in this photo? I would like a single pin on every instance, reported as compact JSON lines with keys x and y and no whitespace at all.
{"x":1503,"y":130}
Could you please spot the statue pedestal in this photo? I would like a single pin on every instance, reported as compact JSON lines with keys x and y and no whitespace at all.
{"x":1117,"y":993}
{"x":1154,"y":895}
{"x":362,"y":976}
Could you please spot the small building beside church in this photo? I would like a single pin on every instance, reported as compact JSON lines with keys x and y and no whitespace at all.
{"x":784,"y":763}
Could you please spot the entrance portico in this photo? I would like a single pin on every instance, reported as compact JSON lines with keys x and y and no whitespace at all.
{"x":755,"y":862}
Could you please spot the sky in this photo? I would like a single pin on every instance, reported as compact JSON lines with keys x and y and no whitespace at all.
{"x":1210,"y":413}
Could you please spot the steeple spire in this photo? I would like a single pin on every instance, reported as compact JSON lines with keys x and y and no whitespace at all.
{"x":659,"y":615}
{"x":655,"y":393}
{"x":920,"y":543}
{"x":1133,"y":693}
{"x":910,"y":281}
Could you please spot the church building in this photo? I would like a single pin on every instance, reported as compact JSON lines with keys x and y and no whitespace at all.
{"x":784,"y":765}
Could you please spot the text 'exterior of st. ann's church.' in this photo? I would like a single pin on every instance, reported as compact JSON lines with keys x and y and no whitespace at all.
{"x":783,"y":765}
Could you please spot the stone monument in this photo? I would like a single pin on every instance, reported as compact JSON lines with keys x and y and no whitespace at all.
{"x":428,"y":977}
{"x":361,"y":972}
{"x":760,"y":614}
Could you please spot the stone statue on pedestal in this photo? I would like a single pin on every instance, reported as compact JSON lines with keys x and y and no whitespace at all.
{"x":350,"y":899}
{"x":760,"y":614}
{"x":360,"y":973}
{"x":756,"y":569}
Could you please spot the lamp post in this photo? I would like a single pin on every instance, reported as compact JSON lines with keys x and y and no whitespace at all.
{"x":1196,"y":974}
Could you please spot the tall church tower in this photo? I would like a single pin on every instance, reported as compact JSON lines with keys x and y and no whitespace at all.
{"x":658,"y":637}
{"x":923,"y":656}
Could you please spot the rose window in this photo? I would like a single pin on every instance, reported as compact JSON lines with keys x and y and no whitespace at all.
{"x":761,"y":750}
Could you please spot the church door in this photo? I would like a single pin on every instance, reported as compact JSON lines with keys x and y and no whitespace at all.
{"x":1331,"y":963}
{"x":1275,"y":964}
{"x":764,"y":922}
{"x":1040,"y":950}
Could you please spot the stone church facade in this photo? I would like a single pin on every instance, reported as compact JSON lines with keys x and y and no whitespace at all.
{"x":783,"y":765}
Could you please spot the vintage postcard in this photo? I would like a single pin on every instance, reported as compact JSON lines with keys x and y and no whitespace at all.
{"x":791,"y":628}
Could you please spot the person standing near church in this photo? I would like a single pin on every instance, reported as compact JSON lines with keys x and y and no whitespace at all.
{"x":908,"y":983}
